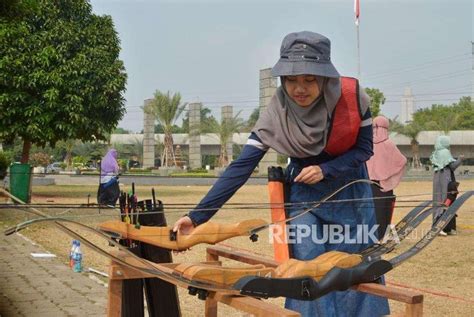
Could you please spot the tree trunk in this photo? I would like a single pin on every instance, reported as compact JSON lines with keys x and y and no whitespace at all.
{"x":169,"y":158}
{"x":68,"y":159}
{"x":25,"y":154}
{"x":416,"y":154}
{"x":223,"y":161}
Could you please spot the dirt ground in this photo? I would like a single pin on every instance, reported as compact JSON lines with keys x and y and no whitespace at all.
{"x":442,"y":271}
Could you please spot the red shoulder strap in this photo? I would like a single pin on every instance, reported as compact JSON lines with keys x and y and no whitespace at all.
{"x":346,"y":119}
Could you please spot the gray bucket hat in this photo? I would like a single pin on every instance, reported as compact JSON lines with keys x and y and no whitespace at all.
{"x":305,"y":53}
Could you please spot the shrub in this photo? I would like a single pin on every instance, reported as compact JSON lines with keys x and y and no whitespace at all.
{"x":198,"y":170}
{"x":80,"y":160}
{"x":40,"y":159}
{"x":123,"y":164}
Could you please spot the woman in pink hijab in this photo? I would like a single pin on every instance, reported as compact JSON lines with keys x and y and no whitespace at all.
{"x":386,"y":167}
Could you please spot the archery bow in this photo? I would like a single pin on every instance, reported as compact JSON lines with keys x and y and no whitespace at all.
{"x":208,"y":232}
{"x":306,"y":287}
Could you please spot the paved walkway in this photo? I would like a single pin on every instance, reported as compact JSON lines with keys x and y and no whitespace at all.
{"x":44,"y":286}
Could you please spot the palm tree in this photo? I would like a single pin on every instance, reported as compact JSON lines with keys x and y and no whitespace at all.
{"x":225,"y":130}
{"x":447,"y":122}
{"x":410,"y":130}
{"x":166,"y":109}
{"x":68,"y":146}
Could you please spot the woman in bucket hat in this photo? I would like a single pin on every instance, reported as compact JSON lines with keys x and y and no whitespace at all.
{"x":322,"y":122}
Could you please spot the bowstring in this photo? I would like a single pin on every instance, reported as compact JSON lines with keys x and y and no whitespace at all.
{"x":316,"y":204}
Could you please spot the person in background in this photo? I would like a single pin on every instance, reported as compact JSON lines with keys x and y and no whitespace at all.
{"x":322,"y":121}
{"x":444,"y":166}
{"x":386,"y":167}
{"x":109,"y":189}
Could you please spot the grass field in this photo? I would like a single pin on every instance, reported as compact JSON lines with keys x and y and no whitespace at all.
{"x":442,"y":272}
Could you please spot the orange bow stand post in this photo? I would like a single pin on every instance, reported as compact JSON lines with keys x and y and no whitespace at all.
{"x":276,"y":191}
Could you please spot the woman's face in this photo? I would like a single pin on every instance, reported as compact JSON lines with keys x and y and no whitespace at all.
{"x":303,"y":89}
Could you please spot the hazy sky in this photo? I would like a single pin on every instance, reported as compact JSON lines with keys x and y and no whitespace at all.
{"x":212,"y":51}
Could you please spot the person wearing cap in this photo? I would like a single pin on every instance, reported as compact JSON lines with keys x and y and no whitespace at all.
{"x":386,"y":167}
{"x":322,"y":121}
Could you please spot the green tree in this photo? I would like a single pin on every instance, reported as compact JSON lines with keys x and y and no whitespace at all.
{"x":437,"y":118}
{"x":225,"y":130}
{"x":458,"y":116}
{"x":465,"y":108}
{"x":16,"y":9}
{"x":252,"y":120}
{"x":175,"y":129}
{"x":166,"y":109}
{"x":377,"y":99}
{"x":120,"y":130}
{"x":127,"y":151}
{"x":60,"y":76}
{"x":93,"y":151}
{"x":207,"y":121}
{"x":5,"y":161}
{"x":410,"y":130}
{"x":68,"y":147}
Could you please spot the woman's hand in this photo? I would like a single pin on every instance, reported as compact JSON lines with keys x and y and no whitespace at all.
{"x":310,"y":175}
{"x":184,"y":225}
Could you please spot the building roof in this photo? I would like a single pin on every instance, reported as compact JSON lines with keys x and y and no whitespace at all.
{"x":465,"y":137}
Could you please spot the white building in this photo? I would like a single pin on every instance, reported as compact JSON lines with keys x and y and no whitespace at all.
{"x":408,"y":106}
{"x":462,"y":142}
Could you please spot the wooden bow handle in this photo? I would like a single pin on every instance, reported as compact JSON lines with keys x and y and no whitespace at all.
{"x":164,"y":237}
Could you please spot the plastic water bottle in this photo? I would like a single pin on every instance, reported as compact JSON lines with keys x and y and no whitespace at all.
{"x":77,"y":256}
{"x":71,"y":253}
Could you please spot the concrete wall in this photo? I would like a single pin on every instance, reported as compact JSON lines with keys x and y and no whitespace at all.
{"x":148,"y":136}
{"x":227,"y":113}
{"x":268,"y":87}
{"x":194,"y":150}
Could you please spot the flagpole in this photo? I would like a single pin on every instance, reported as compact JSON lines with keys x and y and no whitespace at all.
{"x":357,"y":14}
{"x":358,"y":53}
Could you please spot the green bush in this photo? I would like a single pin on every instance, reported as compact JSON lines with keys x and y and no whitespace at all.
{"x":80,"y":160}
{"x":4,"y":163}
{"x":198,"y":170}
{"x":123,"y":164}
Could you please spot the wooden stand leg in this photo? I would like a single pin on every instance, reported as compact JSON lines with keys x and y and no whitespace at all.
{"x":414,"y":310}
{"x":114,"y":307}
{"x":210,"y":309}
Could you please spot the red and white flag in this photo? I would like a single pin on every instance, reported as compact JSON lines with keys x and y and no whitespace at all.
{"x":356,"y":11}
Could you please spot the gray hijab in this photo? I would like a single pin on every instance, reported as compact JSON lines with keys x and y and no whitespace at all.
{"x":298,"y":131}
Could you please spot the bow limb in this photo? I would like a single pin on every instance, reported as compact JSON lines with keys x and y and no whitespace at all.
{"x":164,"y":237}
{"x":319,"y":203}
{"x":331,"y":195}
{"x":72,"y":233}
{"x":126,"y":258}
